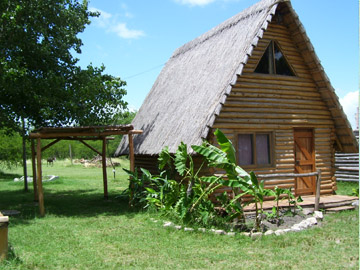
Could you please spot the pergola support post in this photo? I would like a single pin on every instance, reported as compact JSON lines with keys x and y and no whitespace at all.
{"x":33,"y":162}
{"x":103,"y":158}
{"x":131,"y":153}
{"x":132,"y":163}
{"x":39,"y":176}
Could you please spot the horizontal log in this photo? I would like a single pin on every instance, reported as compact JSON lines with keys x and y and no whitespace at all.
{"x":239,"y":122}
{"x":347,"y":176}
{"x":278,"y":111}
{"x":283,"y":80}
{"x":350,"y":155}
{"x":305,"y":92}
{"x":259,"y":84}
{"x":347,"y":180}
{"x":261,"y":96}
{"x":258,"y":102}
{"x":255,"y":104}
{"x":287,"y":175}
{"x":272,"y":116}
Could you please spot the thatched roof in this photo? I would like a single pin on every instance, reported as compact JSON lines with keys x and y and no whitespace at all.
{"x":192,"y":87}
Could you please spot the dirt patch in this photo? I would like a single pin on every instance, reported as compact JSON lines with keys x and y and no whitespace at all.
{"x":286,"y":220}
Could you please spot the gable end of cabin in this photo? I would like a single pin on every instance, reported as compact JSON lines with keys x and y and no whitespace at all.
{"x":278,"y":120}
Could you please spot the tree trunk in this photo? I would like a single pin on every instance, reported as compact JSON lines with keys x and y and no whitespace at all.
{"x":24,"y":153}
{"x":70,"y":154}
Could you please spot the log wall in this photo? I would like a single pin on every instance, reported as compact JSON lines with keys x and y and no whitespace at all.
{"x":278,"y":104}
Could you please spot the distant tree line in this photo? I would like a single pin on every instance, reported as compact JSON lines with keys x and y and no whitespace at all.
{"x":11,"y":147}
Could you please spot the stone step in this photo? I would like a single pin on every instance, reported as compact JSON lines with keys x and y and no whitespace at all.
{"x":339,"y":209}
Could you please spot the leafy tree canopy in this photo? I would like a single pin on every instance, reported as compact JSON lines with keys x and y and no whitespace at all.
{"x":39,"y":77}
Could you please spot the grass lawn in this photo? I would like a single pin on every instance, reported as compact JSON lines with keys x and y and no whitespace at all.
{"x":83,"y":231}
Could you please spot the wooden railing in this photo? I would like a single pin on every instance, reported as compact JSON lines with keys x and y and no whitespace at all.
{"x":318,"y":181}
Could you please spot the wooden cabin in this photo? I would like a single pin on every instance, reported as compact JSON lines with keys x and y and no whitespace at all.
{"x":257,"y":78}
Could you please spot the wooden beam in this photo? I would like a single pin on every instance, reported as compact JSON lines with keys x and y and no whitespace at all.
{"x":104,"y":168}
{"x":86,"y":138}
{"x":76,"y":134}
{"x":33,"y":162}
{"x":92,"y":148}
{"x":135,"y":131}
{"x":50,"y":144}
{"x":39,"y":182}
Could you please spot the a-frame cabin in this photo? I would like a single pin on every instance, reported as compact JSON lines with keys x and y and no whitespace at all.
{"x":257,"y":78}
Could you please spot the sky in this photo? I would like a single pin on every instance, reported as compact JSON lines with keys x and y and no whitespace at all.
{"x":133,"y":39}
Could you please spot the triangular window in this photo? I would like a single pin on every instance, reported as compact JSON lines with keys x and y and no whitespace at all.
{"x":274,"y":62}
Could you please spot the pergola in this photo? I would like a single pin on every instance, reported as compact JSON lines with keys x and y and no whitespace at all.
{"x":82,"y":134}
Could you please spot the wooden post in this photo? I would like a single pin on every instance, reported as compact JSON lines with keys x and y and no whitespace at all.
{"x":33,"y":162}
{"x":132,"y":163}
{"x":318,"y":186}
{"x":104,"y":168}
{"x":131,"y":153}
{"x":4,"y":223}
{"x":39,"y":176}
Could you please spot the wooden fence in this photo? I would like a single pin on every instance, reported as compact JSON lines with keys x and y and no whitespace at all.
{"x":347,"y":167}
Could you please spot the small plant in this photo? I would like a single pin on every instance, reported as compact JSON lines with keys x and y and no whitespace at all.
{"x":293,"y":201}
{"x":355,"y":192}
{"x":277,"y":192}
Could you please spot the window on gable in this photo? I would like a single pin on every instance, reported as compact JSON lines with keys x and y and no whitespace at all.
{"x":255,"y":149}
{"x":273,"y":61}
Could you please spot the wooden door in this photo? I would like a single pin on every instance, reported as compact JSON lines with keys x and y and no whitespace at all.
{"x":304,"y":161}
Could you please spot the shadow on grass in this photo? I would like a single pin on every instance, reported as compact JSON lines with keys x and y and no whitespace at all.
{"x":68,"y":203}
{"x":12,"y":258}
{"x":8,"y":176}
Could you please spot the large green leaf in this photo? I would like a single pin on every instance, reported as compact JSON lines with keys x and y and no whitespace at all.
{"x":146,"y":174}
{"x":254,"y":180}
{"x":226,"y":145}
{"x":213,"y":154}
{"x":240,"y":171}
{"x":210,"y":179}
{"x":164,"y":158}
{"x":181,"y":156}
{"x":235,"y":183}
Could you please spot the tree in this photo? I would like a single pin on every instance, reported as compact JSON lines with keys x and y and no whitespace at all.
{"x":40,"y":82}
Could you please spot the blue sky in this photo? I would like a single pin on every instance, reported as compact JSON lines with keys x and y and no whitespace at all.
{"x":134,"y":38}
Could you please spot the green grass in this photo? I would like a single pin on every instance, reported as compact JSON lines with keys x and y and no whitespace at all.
{"x":83,"y":231}
{"x":346,"y":188}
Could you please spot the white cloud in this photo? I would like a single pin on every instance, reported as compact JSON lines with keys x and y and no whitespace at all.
{"x":103,"y":19}
{"x":122,"y":31}
{"x":111,"y":24}
{"x":195,"y":2}
{"x":350,"y":104}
